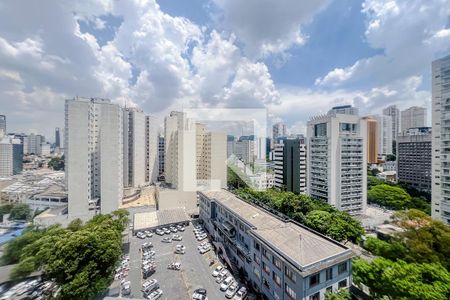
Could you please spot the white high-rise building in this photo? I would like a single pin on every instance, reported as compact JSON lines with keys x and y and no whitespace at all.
{"x":384,"y":134}
{"x":245,"y":150}
{"x":180,"y":152}
{"x":32,"y":144}
{"x":279,"y":130}
{"x":94,"y":156}
{"x":413,"y":117}
{"x":261,"y":146}
{"x":134,"y":148}
{"x":440,"y":116}
{"x":2,"y":125}
{"x":11,"y":156}
{"x":152,"y":149}
{"x":336,"y":159}
{"x":277,"y":157}
{"x":211,"y":157}
{"x":394,"y":113}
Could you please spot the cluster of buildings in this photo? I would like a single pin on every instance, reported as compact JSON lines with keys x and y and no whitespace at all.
{"x":113,"y":151}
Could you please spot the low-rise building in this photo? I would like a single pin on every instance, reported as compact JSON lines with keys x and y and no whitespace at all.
{"x":280,"y":258}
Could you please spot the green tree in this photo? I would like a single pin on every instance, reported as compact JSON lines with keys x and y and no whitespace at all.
{"x":392,"y":250}
{"x":5,"y":209}
{"x":80,"y":259}
{"x":56,"y":163}
{"x":389,"y":196}
{"x":400,"y":280}
{"x":20,"y":212}
{"x":338,"y":295}
{"x":233,"y":180}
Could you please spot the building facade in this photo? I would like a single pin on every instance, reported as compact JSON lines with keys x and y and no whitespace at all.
{"x":372,"y":140}
{"x":394,"y":113}
{"x":151,"y":150}
{"x":94,"y":156}
{"x":280,"y":259}
{"x":161,"y":155}
{"x":440,"y":115}
{"x":279,"y":130}
{"x":336,"y":159}
{"x":413,"y":117}
{"x":57,"y":137}
{"x":11,"y":156}
{"x":134,"y":148}
{"x":414,"y":158}
{"x":2,"y":125}
{"x":277,"y":158}
{"x":385,"y":138}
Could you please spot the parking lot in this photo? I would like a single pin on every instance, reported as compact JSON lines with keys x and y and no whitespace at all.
{"x":195,"y":268}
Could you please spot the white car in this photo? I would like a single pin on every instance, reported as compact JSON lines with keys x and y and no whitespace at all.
{"x":217,"y":270}
{"x":232,"y":289}
{"x":222,"y":276}
{"x":177,"y":237}
{"x":166,"y":240}
{"x":140,"y":235}
{"x":204,"y":250}
{"x":166,"y":230}
{"x":241,"y":294}
{"x":159,"y":232}
{"x":155,"y":295}
{"x":226,"y":283}
{"x":201,"y":238}
{"x":148,"y":234}
{"x":199,"y":294}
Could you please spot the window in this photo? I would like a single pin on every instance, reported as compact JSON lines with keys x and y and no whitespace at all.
{"x":277,"y":263}
{"x":289,"y":274}
{"x":342,"y":268}
{"x":276,"y":278}
{"x":316,"y":296}
{"x":290,"y":292}
{"x":266,"y":268}
{"x":329,"y":274}
{"x":314,"y":279}
{"x":266,"y":284}
{"x":265,"y":253}
{"x":256,"y":246}
{"x":342,"y":284}
{"x":256,"y":259}
{"x":329,"y":289}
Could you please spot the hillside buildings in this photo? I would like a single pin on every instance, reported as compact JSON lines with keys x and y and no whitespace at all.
{"x":279,"y":258}
{"x":336,"y":159}
{"x":414,"y":158}
{"x":440,"y":115}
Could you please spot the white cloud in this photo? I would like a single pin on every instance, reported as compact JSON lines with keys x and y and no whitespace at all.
{"x":410,"y":33}
{"x":266,"y":26}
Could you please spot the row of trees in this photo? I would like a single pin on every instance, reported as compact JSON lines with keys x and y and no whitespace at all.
{"x":80,"y":258}
{"x":19,"y":212}
{"x":315,"y":214}
{"x":413,"y":264}
{"x":395,"y":196}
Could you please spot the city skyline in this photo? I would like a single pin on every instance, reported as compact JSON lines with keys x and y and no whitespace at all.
{"x":292,"y":71}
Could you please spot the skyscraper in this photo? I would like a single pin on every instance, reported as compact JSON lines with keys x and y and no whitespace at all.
{"x":2,"y":125}
{"x":413,"y":117}
{"x":290,"y":165}
{"x":440,"y":115}
{"x":279,"y":130}
{"x":134,"y":151}
{"x":180,"y":152}
{"x":161,"y":154}
{"x":11,"y":156}
{"x":385,"y":138}
{"x":372,"y":140}
{"x":94,"y":156}
{"x":336,"y":159}
{"x":57,"y":138}
{"x":394,"y":113}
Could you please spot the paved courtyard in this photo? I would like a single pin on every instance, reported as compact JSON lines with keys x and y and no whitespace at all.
{"x":195,"y":270}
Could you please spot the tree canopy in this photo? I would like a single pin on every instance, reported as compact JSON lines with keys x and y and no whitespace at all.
{"x":315,"y":214}
{"x":56,"y":163}
{"x":81,"y":259}
{"x":20,"y":212}
{"x":401,"y":280}
{"x":389,"y":196}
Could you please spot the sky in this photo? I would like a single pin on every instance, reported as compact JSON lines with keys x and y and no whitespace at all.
{"x":296,"y":58}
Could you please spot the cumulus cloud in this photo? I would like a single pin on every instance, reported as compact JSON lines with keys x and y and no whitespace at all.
{"x":410,"y":33}
{"x":265,"y":26}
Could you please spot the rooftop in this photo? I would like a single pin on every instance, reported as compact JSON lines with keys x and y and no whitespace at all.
{"x":151,"y":219}
{"x":299,"y":243}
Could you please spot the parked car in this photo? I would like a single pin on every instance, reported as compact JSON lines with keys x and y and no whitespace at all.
{"x":177,"y":237}
{"x":232,"y":289}
{"x":204,"y":250}
{"x":199,"y":294}
{"x":180,"y":227}
{"x":149,"y":283}
{"x":126,"y":288}
{"x":166,"y":230}
{"x":140,"y":235}
{"x":147,"y":245}
{"x":217,"y":270}
{"x":226,"y":283}
{"x":159,"y":231}
{"x":174,"y":266}
{"x":166,"y":240}
{"x":173,"y":229}
{"x":155,"y":295}
{"x":201,"y":238}
{"x":148,"y":233}
{"x":241,"y":294}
